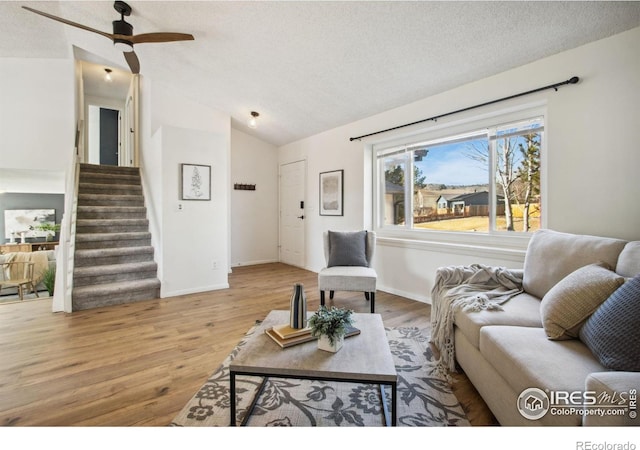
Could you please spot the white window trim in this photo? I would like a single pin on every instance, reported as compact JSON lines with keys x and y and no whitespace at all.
{"x":505,"y":243}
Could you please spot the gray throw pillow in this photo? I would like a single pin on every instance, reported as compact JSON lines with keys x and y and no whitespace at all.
{"x":347,"y":248}
{"x":612,"y":332}
{"x":567,"y":305}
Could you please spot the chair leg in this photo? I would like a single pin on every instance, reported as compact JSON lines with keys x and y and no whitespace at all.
{"x":372,"y":296}
{"x":321,"y":298}
{"x":366,"y":295}
{"x":331,"y":295}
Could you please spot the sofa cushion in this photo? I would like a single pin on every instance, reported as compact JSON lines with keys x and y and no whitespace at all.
{"x":347,"y":248}
{"x":612,"y":332}
{"x":522,"y":310}
{"x":569,"y":303}
{"x":629,"y":260}
{"x":347,"y":278}
{"x":552,"y":255}
{"x":526,"y":358}
{"x":611,"y":383}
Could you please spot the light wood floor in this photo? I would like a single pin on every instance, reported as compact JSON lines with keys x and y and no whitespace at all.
{"x":139,"y":364}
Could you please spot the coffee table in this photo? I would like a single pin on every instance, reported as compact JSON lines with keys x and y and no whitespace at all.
{"x":364,"y":358}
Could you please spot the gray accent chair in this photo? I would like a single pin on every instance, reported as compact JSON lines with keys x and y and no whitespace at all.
{"x":354,"y":278}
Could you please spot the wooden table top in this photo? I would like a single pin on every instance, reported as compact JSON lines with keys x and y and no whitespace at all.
{"x":365,"y":356}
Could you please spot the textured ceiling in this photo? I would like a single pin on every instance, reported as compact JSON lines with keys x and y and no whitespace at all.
{"x":309,"y":66}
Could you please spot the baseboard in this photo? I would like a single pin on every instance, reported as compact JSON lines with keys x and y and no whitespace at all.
{"x":216,"y":287}
{"x":254,"y":263}
{"x":406,"y":294}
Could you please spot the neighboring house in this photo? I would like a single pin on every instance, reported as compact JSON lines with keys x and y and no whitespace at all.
{"x":471,"y":204}
{"x":444,"y":201}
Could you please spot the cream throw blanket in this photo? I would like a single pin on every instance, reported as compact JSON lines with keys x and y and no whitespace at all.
{"x":39,"y":259}
{"x":468,"y":288}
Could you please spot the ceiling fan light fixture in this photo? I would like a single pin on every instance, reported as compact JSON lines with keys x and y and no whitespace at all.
{"x":107,"y":76}
{"x":253,"y":121}
{"x":122,"y":45}
{"x":122,"y":36}
{"x":122,"y":28}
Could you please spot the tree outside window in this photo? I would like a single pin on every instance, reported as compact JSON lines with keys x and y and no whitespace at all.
{"x":486,"y":181}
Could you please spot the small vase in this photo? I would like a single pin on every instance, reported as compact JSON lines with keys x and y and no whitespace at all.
{"x":325,"y":344}
{"x":298,"y":311}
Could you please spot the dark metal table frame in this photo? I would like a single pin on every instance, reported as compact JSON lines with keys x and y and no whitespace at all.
{"x":385,"y":409}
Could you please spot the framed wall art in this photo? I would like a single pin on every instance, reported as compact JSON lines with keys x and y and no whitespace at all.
{"x":195,"y":182}
{"x":332,"y":193}
{"x":28,"y":221}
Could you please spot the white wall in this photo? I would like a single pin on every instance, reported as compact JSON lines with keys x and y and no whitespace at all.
{"x":189,"y":240}
{"x":32,"y":181}
{"x":93,"y":134}
{"x":37,"y":125}
{"x":254,"y":214}
{"x":591,"y":166}
{"x":195,"y":235}
{"x":323,"y":153}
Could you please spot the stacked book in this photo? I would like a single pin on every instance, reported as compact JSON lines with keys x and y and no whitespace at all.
{"x":285,"y":336}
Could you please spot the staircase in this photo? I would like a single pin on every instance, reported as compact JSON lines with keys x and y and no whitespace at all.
{"x":113,"y":261}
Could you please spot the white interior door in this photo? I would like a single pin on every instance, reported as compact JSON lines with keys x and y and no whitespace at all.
{"x":292,"y":197}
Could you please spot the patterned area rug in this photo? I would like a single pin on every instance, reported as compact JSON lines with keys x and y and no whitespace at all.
{"x":424,"y":396}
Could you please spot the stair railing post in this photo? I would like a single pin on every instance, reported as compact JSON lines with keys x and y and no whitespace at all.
{"x":64,"y":251}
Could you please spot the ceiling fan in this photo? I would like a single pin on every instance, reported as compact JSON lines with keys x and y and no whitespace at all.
{"x":122,"y":36}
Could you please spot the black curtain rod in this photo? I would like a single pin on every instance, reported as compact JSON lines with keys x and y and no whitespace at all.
{"x":572,"y":80}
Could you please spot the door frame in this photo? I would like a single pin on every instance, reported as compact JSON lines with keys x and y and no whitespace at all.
{"x":91,"y":133}
{"x":130,"y":134}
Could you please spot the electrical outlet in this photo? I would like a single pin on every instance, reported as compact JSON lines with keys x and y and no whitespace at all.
{"x":179,"y":207}
{"x":214,"y":265}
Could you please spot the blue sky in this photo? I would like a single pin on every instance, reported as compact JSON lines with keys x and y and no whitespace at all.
{"x":447,"y":164}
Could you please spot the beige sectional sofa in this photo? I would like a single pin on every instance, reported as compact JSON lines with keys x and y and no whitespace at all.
{"x":526,"y":366}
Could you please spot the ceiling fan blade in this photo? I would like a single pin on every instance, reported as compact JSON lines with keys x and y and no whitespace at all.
{"x":160,"y":37}
{"x":132,"y":60}
{"x":68,"y":22}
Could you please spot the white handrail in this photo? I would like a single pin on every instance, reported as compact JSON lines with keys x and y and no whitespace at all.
{"x":65,"y":249}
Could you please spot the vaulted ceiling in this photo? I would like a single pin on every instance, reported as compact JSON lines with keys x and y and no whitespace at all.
{"x":309,"y":66}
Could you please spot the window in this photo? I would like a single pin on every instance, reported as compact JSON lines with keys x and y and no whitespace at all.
{"x":483,"y":180}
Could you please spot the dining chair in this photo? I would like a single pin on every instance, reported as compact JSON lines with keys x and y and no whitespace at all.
{"x":18,"y":274}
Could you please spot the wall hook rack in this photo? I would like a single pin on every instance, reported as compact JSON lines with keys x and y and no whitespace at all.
{"x":244,"y":187}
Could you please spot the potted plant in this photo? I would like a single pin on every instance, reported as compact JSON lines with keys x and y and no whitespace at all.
{"x":50,"y":228}
{"x":329,"y":325}
{"x":49,"y":279}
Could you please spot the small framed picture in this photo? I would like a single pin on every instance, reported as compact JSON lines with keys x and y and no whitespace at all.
{"x":195,"y":182}
{"x":331,"y":193}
